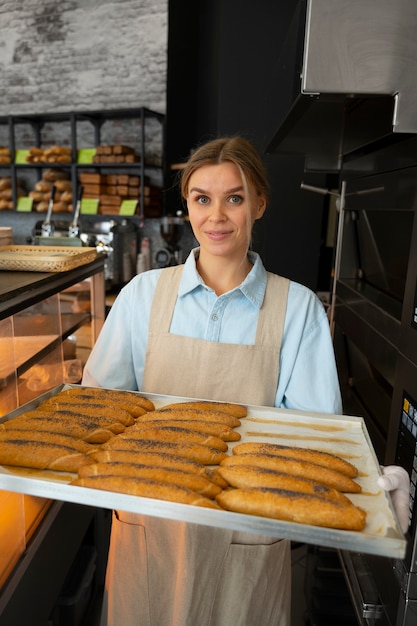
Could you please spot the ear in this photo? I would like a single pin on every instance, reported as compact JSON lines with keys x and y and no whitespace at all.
{"x":261,"y":208}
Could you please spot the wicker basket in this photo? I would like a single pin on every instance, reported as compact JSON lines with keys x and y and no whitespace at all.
{"x":44,"y":258}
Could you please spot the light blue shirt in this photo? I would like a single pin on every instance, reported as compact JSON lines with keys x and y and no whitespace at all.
{"x":308,"y":378}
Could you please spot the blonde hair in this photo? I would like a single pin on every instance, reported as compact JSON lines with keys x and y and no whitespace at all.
{"x":229,"y":149}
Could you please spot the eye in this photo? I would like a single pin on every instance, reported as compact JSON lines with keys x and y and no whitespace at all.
{"x":202,"y":199}
{"x":235,"y":199}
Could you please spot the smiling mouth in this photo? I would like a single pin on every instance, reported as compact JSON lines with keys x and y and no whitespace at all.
{"x":217,"y":233}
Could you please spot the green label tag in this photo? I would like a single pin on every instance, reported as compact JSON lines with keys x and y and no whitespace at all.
{"x":86,"y":155}
{"x":128,"y":207}
{"x":89,"y":206}
{"x":20,"y":156}
{"x":24,"y":204}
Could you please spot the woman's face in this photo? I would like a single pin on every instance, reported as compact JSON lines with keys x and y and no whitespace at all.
{"x":221,"y":212}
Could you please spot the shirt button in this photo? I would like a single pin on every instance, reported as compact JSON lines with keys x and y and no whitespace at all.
{"x":214,"y":317}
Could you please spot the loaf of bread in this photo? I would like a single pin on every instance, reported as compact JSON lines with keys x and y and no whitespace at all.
{"x":5,"y":156}
{"x":238,"y":410}
{"x":304,"y":454}
{"x":63,"y":184}
{"x":73,"y":425}
{"x":195,"y":415}
{"x":54,"y":154}
{"x":196,"y":482}
{"x":208,"y":428}
{"x":146,"y":488}
{"x":133,"y":402}
{"x":55,"y":174}
{"x":56,"y":438}
{"x":295,"y":467}
{"x":169,"y":461}
{"x":194,"y":451}
{"x":293,"y":506}
{"x":173,"y":434}
{"x":245,"y":477}
{"x":43,"y":450}
{"x":101,"y":412}
{"x":41,"y":193}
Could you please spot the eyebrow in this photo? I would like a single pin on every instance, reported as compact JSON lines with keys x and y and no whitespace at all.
{"x":199,"y":190}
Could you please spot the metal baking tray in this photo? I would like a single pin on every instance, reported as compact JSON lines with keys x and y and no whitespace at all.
{"x":342,"y":435}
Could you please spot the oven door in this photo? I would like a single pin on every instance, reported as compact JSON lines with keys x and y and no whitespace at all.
{"x":376,"y":351}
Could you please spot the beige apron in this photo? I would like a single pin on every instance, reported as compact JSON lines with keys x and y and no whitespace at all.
{"x":168,"y":573}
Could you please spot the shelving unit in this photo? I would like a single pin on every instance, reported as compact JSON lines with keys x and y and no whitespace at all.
{"x":81,"y":131}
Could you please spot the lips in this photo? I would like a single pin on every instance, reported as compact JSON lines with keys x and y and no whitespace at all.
{"x":217,"y":234}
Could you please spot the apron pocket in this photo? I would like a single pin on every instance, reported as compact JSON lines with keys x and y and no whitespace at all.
{"x":254,"y":586}
{"x":126,"y":574}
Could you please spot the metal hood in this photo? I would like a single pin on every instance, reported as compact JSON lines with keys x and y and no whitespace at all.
{"x":346,"y":78}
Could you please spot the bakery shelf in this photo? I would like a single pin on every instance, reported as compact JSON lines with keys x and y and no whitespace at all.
{"x":73,"y":131}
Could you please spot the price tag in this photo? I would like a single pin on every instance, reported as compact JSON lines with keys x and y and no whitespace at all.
{"x":85,"y":156}
{"x":128,"y":207}
{"x":89,"y":206}
{"x":24,"y":204}
{"x":20,"y":156}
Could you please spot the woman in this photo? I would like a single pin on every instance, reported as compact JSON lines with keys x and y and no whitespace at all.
{"x":219,"y":327}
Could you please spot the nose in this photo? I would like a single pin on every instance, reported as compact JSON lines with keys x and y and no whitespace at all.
{"x":217,"y":213}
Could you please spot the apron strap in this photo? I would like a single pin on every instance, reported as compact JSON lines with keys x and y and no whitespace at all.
{"x":275,"y":300}
{"x":164,"y":299}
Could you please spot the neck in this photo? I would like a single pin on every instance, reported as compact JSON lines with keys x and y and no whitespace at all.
{"x":222,"y":275}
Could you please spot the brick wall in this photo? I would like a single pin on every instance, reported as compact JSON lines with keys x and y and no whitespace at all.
{"x":82,"y":54}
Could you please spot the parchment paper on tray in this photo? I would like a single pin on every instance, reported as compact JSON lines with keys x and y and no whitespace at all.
{"x":344,"y":436}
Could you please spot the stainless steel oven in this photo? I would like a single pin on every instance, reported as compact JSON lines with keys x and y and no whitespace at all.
{"x":376,"y":350}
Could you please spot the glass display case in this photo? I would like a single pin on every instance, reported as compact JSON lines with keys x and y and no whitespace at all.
{"x":48,"y":323}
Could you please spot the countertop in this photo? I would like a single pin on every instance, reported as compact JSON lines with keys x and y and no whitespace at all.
{"x":19,"y":290}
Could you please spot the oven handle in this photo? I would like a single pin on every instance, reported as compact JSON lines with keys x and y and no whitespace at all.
{"x":362,"y":587}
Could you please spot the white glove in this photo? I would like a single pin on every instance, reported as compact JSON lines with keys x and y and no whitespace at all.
{"x":397,"y":481}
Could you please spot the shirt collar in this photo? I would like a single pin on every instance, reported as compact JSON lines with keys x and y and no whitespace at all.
{"x":253,"y":287}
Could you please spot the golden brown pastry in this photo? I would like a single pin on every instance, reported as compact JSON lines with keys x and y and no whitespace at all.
{"x":209,"y":428}
{"x":63,"y":184}
{"x":295,"y":467}
{"x":136,"y":401}
{"x":303,"y":454}
{"x":243,"y":477}
{"x":173,"y":434}
{"x":192,"y":414}
{"x":194,"y":451}
{"x":55,"y":174}
{"x":293,"y":507}
{"x":146,"y":488}
{"x":91,"y":409}
{"x":42,"y":450}
{"x":71,"y":424}
{"x":195,"y":482}
{"x":237,"y":410}
{"x":158,"y":458}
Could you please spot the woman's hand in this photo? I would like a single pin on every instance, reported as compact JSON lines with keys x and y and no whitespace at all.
{"x":397,"y":481}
